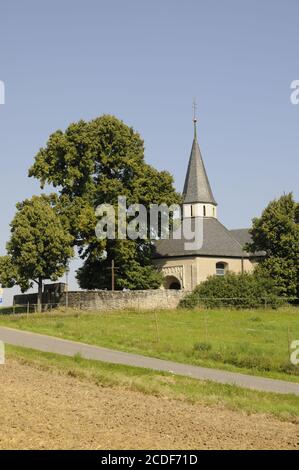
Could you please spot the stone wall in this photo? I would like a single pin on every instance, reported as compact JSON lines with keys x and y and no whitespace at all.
{"x":107,"y":300}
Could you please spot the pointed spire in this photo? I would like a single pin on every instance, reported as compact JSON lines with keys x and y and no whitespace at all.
{"x":197,"y":187}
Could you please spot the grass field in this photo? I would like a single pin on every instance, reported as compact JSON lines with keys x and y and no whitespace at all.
{"x":162,"y":384}
{"x":255,"y":342}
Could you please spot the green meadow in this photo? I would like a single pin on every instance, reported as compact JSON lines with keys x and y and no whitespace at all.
{"x":256,"y":342}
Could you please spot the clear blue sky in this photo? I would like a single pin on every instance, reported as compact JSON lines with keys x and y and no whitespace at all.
{"x":144,"y":61}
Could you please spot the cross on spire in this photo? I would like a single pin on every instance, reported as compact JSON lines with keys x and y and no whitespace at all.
{"x":194,"y":117}
{"x":194,"y":110}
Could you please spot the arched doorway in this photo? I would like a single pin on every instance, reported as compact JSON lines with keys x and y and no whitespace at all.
{"x":172,"y":282}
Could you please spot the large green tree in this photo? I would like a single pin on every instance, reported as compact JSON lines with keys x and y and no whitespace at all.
{"x":91,"y":163}
{"x":39,"y":247}
{"x":276,"y":233}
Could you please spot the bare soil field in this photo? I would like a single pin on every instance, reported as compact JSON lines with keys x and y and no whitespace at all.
{"x":47,"y":410}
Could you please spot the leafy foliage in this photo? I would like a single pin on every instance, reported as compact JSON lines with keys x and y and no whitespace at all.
{"x":129,"y":276}
{"x":276,"y":233}
{"x":93,"y":163}
{"x":234,"y":290}
{"x":39,"y":247}
{"x":8,"y":272}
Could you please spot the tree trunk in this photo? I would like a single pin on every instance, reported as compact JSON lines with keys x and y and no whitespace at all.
{"x":40,"y":295}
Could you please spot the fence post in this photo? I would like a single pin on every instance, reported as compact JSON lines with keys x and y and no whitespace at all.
{"x":157,"y":327}
{"x":206,"y":327}
{"x":67,"y":296}
{"x":28,"y":307}
{"x":78,"y":325}
{"x":289,"y":342}
{"x":13,"y":306}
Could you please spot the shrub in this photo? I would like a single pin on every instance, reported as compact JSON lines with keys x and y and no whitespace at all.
{"x":202,"y":347}
{"x":234,"y":290}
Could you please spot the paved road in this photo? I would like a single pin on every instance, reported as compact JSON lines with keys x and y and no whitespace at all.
{"x":70,"y":348}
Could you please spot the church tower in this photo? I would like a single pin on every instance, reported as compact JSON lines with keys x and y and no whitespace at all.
{"x":222,"y":250}
{"x":198,"y":199}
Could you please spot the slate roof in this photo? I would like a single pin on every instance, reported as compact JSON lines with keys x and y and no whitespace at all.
{"x":197,"y":187}
{"x":217,"y":241}
{"x":243,"y":236}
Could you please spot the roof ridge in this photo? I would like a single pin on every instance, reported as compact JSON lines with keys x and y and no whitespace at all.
{"x":233,"y":238}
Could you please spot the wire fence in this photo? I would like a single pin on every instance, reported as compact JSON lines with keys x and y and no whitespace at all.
{"x":198,"y":302}
{"x":30,"y":308}
{"x":256,"y":340}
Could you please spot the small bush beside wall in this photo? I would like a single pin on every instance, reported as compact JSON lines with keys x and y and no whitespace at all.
{"x":234,"y":290}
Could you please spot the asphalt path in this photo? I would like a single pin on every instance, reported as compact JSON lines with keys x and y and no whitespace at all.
{"x":66,"y":347}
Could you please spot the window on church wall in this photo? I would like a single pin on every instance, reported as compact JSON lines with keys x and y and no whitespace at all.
{"x":204,"y":211}
{"x":192,"y":210}
{"x":221,"y":269}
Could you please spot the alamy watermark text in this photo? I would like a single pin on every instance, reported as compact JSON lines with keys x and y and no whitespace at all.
{"x":295,"y":93}
{"x":137,"y":222}
{"x":2,"y":92}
